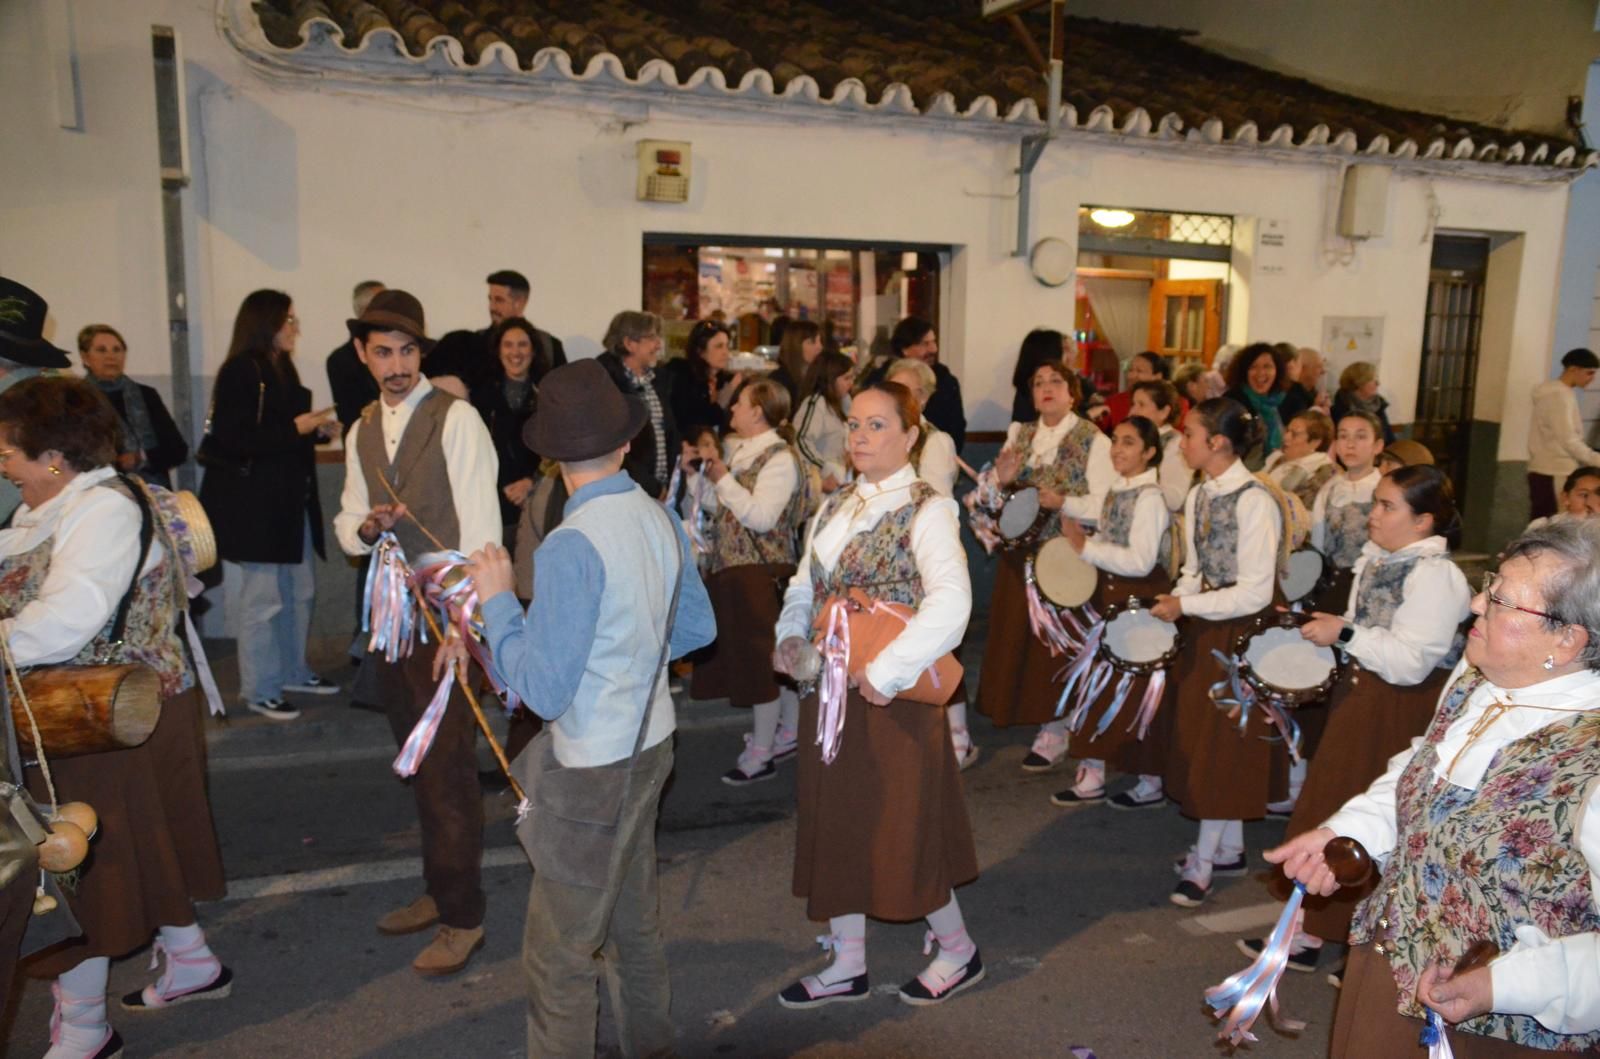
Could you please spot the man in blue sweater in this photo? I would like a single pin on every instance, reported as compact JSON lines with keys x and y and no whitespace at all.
{"x":587,"y":657}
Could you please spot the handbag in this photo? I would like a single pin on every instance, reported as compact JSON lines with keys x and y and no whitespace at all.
{"x":570,"y":828}
{"x":211,"y":454}
{"x":874,"y":624}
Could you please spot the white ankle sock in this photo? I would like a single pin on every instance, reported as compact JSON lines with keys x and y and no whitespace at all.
{"x":788,"y":711}
{"x":1091,"y":776}
{"x":849,"y":942}
{"x":957,"y":712}
{"x":190,"y":961}
{"x":81,"y":1004}
{"x":956,"y":946}
{"x":1232,"y":844}
{"x":764,"y":724}
{"x":1148,"y":786}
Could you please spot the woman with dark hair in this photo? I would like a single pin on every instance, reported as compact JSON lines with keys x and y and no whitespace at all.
{"x":1039,"y":346}
{"x":1216,"y":773}
{"x":1401,"y":636}
{"x":506,"y":400}
{"x":260,"y":492}
{"x":699,"y":387}
{"x":86,"y":543}
{"x":820,"y":430}
{"x":151,"y":444}
{"x":1258,"y":379}
{"x":1157,"y":400}
{"x":800,"y":346}
{"x":1148,"y":366}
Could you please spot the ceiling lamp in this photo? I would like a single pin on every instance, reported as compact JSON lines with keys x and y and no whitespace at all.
{"x":1111,"y":218}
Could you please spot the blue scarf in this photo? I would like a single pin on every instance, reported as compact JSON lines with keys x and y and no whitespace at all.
{"x":1266,"y":406}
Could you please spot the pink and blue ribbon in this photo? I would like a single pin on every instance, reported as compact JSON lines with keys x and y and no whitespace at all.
{"x":1239,"y":1000}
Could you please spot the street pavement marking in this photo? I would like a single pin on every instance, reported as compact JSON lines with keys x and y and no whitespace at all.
{"x":377,"y":871}
{"x":1232,"y":922}
{"x":300,"y":759}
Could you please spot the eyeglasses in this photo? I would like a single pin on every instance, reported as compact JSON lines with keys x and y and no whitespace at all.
{"x":1490,"y":580}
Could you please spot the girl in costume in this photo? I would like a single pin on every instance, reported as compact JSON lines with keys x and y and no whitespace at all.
{"x":1339,"y":515}
{"x":1157,"y":400}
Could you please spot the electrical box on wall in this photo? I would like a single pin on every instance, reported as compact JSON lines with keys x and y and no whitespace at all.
{"x":1364,"y":205}
{"x":663,"y":171}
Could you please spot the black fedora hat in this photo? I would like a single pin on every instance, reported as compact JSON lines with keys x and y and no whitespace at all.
{"x":582,"y":414}
{"x":22,"y":314}
{"x":392,"y":310}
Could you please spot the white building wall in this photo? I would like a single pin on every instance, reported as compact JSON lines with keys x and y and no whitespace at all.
{"x":311,"y":188}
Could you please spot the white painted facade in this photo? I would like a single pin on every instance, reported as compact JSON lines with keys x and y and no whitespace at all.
{"x":310,"y":186}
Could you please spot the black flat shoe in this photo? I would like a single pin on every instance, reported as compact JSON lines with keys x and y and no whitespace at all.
{"x":217,"y":990}
{"x":919,"y":995}
{"x":800,"y":996}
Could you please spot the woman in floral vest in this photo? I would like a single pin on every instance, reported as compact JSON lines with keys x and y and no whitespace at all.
{"x":1339,"y":514}
{"x":757,"y":502}
{"x":72,"y":553}
{"x":1216,"y":773}
{"x":883,"y":828}
{"x":1486,"y":830}
{"x":1303,"y":466}
{"x":1401,"y":637}
{"x":1062,"y":455}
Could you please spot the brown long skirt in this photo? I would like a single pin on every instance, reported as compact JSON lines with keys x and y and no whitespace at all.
{"x":738,"y":666}
{"x":883,"y":830}
{"x":1119,"y":747}
{"x":1369,"y":721}
{"x":1214,"y":771}
{"x":1366,"y":1024}
{"x":156,"y":852}
{"x":1018,"y":683}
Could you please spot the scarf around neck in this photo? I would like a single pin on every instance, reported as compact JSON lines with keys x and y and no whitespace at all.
{"x":1266,"y":406}
{"x":139,"y":433}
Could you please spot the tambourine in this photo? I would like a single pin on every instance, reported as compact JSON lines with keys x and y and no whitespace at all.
{"x":1062,"y":576}
{"x":1021,"y":519}
{"x":1302,"y":574}
{"x":1136,"y":641}
{"x":1283,"y":666}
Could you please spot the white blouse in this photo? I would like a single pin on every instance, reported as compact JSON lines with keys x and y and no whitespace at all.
{"x":937,"y":465}
{"x":1435,"y":601}
{"x":940,"y":621}
{"x":824,"y":435}
{"x":1176,"y":476}
{"x":1340,"y":491}
{"x":1260,"y":531}
{"x":760,"y":508}
{"x":1047,"y":439}
{"x":1143,"y":550}
{"x":1556,"y":981}
{"x":94,"y":534}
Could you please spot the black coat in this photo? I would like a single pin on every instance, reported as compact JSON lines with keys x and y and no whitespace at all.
{"x":468,"y":356}
{"x":641,"y":458}
{"x":1344,"y":404}
{"x":170,"y":449}
{"x":692,"y":405}
{"x":944,"y":409}
{"x":261,"y":517}
{"x":352,"y":384}
{"x":505,"y":425}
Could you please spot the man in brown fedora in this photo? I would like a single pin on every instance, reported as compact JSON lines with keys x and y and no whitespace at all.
{"x":419,"y":463}
{"x":616,"y":592}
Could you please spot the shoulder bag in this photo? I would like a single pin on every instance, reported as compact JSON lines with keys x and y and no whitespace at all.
{"x":211,"y":455}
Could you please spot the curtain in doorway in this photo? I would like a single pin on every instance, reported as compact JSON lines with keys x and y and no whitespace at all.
{"x":1122,"y":308}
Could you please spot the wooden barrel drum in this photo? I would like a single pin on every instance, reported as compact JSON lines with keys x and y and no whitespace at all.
{"x":87,"y":709}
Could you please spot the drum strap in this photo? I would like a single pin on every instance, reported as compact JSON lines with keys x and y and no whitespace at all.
{"x":146,"y":534}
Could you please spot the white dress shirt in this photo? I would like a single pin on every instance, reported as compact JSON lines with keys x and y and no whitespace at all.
{"x":1556,"y":981}
{"x":1434,"y":602}
{"x":1555,"y":432}
{"x":1340,"y":491}
{"x":940,"y":621}
{"x":757,"y":509}
{"x":824,"y":435}
{"x":1176,"y":475}
{"x":1047,"y":439}
{"x":1260,"y":531}
{"x":469,"y":459}
{"x":94,"y":544}
{"x":1145,"y":536}
{"x":937,"y":465}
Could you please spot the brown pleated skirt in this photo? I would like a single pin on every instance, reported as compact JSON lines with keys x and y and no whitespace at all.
{"x":738,"y":666}
{"x":156,"y":852}
{"x":1214,"y":771}
{"x":1119,"y":747}
{"x":883,"y":830}
{"x":1367,"y":1025}
{"x":1369,"y":721}
{"x":1018,"y":683}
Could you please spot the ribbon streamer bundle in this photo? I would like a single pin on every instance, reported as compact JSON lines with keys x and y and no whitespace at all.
{"x":833,"y":685}
{"x":1234,"y":691}
{"x":1046,"y":621}
{"x":386,"y":606}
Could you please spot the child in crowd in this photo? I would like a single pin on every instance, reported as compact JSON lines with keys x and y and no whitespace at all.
{"x":1339,"y":515}
{"x":1157,"y":400}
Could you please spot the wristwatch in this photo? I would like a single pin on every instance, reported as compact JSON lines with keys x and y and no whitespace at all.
{"x":1347,"y":634}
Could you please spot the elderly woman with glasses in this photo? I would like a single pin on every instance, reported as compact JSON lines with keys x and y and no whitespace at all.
{"x":1489,"y":830}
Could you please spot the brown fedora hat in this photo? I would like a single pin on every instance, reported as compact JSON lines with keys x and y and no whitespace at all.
{"x":581,"y":414}
{"x":392,"y":310}
{"x":1411,"y":453}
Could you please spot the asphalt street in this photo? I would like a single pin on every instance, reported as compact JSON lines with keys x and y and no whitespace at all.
{"x":320,"y":839}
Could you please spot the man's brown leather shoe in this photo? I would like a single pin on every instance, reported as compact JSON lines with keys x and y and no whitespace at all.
{"x":448,"y":952}
{"x":418,"y":915}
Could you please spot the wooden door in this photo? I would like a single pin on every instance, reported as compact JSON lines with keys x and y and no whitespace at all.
{"x":1186,"y":318}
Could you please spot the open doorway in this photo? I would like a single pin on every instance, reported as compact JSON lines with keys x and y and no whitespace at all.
{"x":1150,"y":280}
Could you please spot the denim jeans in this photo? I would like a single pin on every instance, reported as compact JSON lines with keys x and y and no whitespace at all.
{"x":269,"y":608}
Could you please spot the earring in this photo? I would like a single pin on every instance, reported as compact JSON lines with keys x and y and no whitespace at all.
{"x":1550,"y":662}
{"x":55,"y":470}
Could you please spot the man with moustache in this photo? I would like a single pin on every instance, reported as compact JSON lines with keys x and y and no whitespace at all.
{"x":467,"y":354}
{"x":419,"y":463}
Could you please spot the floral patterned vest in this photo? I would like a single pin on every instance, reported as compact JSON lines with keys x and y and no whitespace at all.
{"x":878,"y":561}
{"x":1067,"y":475}
{"x":735,"y":544}
{"x":1216,"y":538}
{"x":1380,"y":593}
{"x":1345,"y":533}
{"x":1307,"y":484}
{"x":1116,"y":515}
{"x":1474,"y":864}
{"x":153,"y":634}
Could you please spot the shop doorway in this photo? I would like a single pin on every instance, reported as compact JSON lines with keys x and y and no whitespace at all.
{"x":1448,"y":375}
{"x":1150,"y":280}
{"x":855,"y":291}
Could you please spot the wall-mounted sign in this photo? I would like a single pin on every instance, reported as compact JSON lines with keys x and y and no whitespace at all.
{"x":1347,"y":339}
{"x":1272,"y":247}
